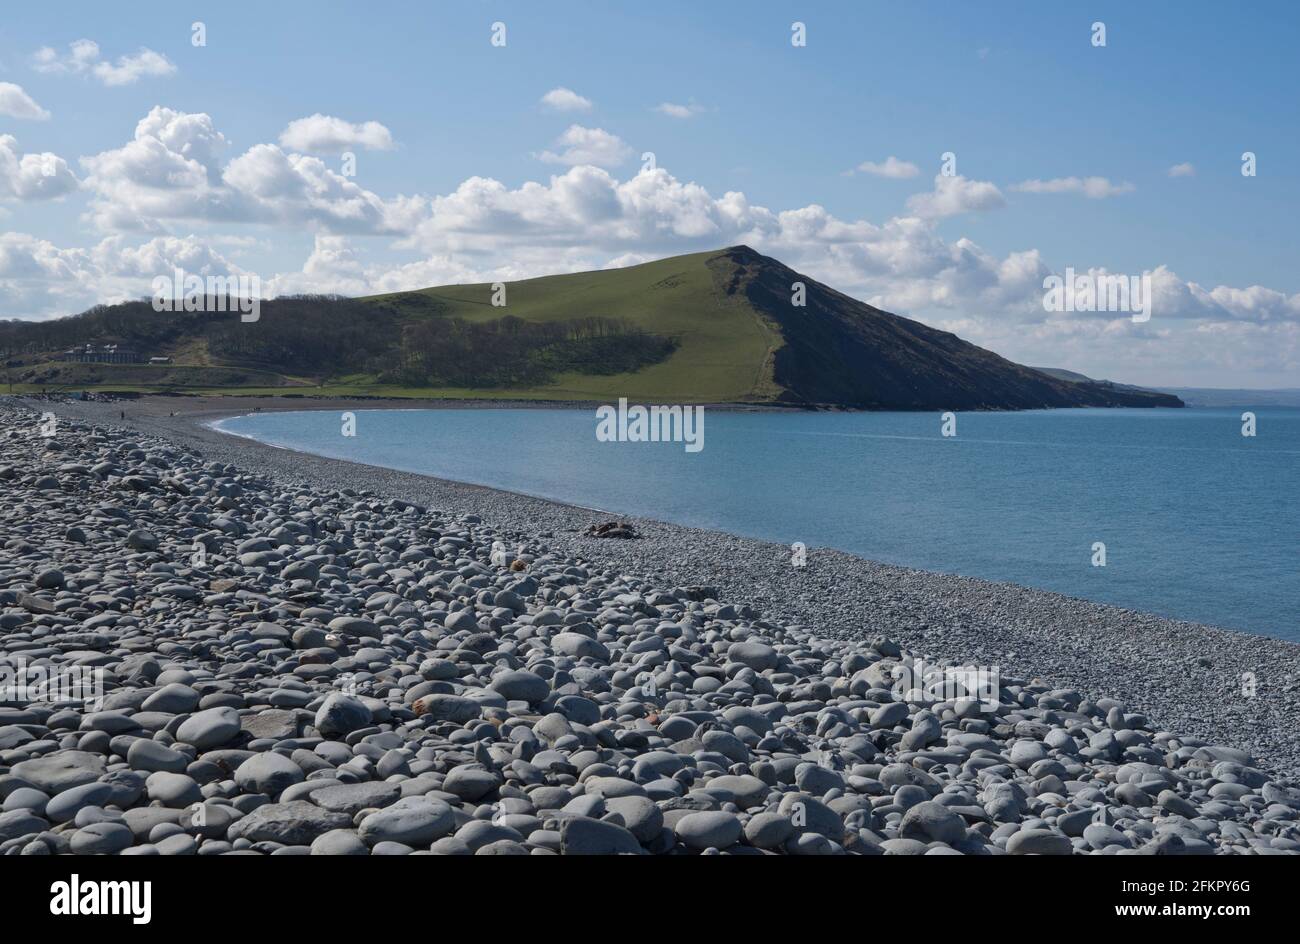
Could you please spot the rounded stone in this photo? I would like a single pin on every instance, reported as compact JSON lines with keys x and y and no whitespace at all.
{"x":339,"y":842}
{"x":417,"y":824}
{"x":174,"y":699}
{"x":581,"y":835}
{"x":768,"y":830}
{"x":709,"y":829}
{"x":471,"y":783}
{"x":210,"y":728}
{"x":173,"y":790}
{"x":932,"y":822}
{"x":520,"y":685}
{"x":26,"y":798}
{"x":268,"y":773}
{"x":146,"y":754}
{"x":340,"y":715}
{"x":641,"y":816}
{"x":101,"y":839}
{"x":756,"y":655}
{"x":50,"y":579}
{"x":67,"y":804}
{"x":1039,"y":842}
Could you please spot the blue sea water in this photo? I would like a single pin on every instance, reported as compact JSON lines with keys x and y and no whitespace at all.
{"x":1198,"y":521}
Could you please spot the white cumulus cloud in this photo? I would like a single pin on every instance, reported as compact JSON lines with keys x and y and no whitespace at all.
{"x":1185,"y":169}
{"x":173,"y":171}
{"x":674,"y":110}
{"x":40,"y":280}
{"x":890,"y":167}
{"x":566,"y":99}
{"x":83,"y":58}
{"x":596,"y":146}
{"x":1094,"y":188}
{"x":32,"y":176}
{"x":325,"y":134}
{"x":15,"y":103}
{"x":955,"y":195}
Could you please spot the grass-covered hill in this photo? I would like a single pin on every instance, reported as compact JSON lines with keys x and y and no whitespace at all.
{"x":708,"y":327}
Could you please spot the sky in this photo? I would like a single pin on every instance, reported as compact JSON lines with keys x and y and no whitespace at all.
{"x":362,"y":148}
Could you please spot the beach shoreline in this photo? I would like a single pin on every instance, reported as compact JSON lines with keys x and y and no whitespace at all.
{"x":1188,"y":677}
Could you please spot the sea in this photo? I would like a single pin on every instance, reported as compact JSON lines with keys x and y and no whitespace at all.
{"x":1171,"y":511}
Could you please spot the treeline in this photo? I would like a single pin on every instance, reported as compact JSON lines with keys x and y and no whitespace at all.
{"x":133,"y":323}
{"x":314,"y":335}
{"x":329,"y":336}
{"x":511,"y":352}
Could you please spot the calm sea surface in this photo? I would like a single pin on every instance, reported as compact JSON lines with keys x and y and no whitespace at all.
{"x":1198,"y":521}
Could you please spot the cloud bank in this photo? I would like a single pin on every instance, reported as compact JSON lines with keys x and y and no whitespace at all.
{"x":177,"y":175}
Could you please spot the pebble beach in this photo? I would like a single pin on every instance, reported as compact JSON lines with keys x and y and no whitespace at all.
{"x":211,"y":646}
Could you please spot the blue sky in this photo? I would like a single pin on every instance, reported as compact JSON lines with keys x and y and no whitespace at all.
{"x":474,"y":176}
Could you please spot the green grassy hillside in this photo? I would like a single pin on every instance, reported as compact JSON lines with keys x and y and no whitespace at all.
{"x":714,"y":326}
{"x":724,"y":347}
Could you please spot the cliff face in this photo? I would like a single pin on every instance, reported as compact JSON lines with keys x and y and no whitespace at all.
{"x":838,"y":350}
